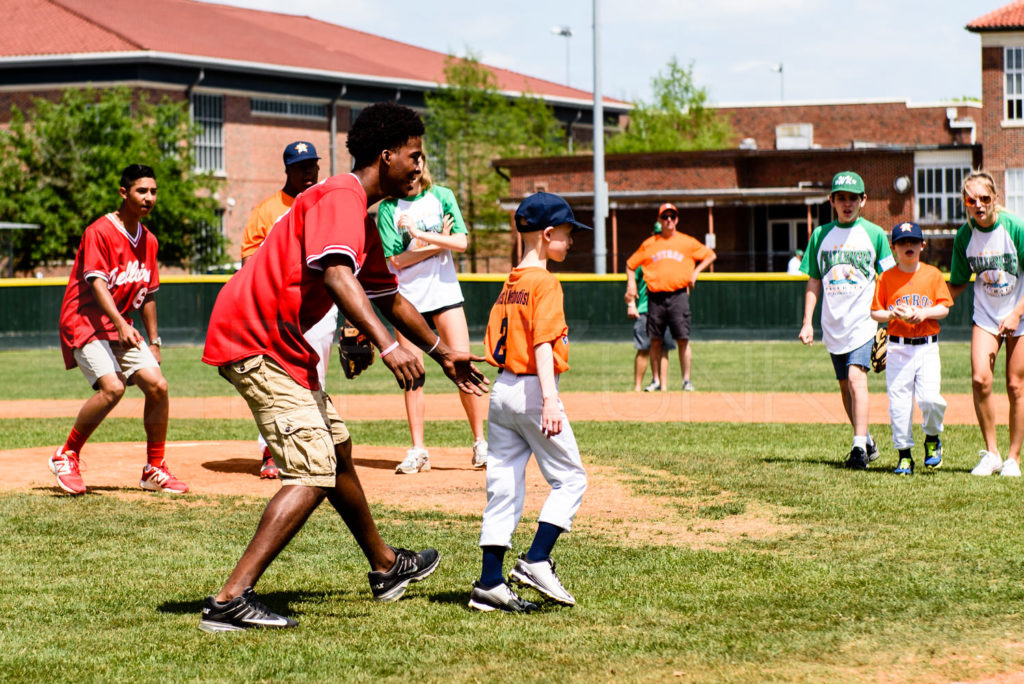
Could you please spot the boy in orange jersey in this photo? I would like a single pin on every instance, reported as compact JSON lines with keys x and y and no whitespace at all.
{"x":671,"y":262}
{"x":912,"y":298}
{"x":527,"y":338}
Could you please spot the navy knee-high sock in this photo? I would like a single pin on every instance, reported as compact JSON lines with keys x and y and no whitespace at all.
{"x":543,"y":542}
{"x":491,"y":574}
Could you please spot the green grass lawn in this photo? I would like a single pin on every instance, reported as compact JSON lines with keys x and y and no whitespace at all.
{"x":596,"y":367}
{"x":876,"y":578}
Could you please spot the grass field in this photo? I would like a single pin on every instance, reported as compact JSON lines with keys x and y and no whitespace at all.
{"x":871,"y":577}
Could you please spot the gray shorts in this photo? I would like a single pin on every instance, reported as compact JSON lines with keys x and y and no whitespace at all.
{"x":641,"y":342}
{"x":101,"y":357}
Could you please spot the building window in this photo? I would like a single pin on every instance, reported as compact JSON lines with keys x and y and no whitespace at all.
{"x":1013,"y":93}
{"x":1014,"y":190}
{"x":938,"y":194}
{"x":288,"y":108}
{"x":208,"y":114}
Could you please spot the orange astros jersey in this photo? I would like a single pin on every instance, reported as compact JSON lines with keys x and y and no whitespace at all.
{"x":924,"y":288}
{"x":528,"y":312}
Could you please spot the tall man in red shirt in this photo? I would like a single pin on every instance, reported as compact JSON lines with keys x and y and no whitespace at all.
{"x":115,"y":273}
{"x":671,"y":262}
{"x":326,"y":251}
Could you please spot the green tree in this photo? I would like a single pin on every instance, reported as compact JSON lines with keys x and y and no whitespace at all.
{"x":678,"y":119}
{"x":60,"y":166}
{"x":469,"y":124}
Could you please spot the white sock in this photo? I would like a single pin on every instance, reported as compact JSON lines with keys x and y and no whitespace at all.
{"x":860,"y":441}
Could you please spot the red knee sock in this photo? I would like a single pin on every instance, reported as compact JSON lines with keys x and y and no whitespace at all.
{"x":155,"y":453}
{"x":76,"y":440}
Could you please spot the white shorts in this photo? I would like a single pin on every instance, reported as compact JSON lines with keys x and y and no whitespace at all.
{"x":100,"y":357}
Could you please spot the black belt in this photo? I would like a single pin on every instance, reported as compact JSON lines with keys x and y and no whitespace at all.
{"x":518,"y":375}
{"x":915,"y":340}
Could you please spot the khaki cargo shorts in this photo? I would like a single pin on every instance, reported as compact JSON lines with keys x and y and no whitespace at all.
{"x":300,"y":426}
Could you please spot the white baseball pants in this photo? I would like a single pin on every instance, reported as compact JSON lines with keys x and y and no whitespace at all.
{"x":913,"y":372}
{"x":513,"y":433}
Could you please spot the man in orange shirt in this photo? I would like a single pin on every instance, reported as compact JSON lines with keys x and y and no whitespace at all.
{"x":671,"y":262}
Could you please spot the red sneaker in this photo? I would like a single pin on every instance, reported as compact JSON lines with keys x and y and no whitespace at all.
{"x":64,"y":464}
{"x":269,"y":469}
{"x":159,"y":479}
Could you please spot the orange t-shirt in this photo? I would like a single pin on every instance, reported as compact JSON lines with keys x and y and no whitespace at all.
{"x":668,"y":262}
{"x":262,"y":219}
{"x":924,"y":288}
{"x":528,"y":312}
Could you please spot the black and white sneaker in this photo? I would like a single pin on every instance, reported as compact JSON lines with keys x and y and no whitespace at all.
{"x":409,"y":567}
{"x":500,"y":597}
{"x":872,"y":452}
{"x":241,"y":612}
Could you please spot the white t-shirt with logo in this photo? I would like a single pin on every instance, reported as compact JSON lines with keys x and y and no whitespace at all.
{"x":994,"y":255}
{"x":846,"y":259}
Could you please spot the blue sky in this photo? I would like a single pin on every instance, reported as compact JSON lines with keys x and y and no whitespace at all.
{"x":914,"y":50}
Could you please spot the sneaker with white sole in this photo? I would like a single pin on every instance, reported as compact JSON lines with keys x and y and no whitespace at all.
{"x":417,"y":460}
{"x":65,"y":465}
{"x":241,"y":612}
{"x":687,"y":386}
{"x":541,"y":576}
{"x":872,"y":452}
{"x":500,"y":597}
{"x":1010,"y":468}
{"x":159,"y":479}
{"x":988,"y":463}
{"x":409,"y":566}
{"x":268,"y":469}
{"x":653,"y":387}
{"x":480,"y":453}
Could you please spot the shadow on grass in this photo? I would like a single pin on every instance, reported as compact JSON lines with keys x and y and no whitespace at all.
{"x":249,"y":466}
{"x":277,"y":601}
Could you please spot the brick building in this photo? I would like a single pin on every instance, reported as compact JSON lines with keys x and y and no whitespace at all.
{"x":760,"y":201}
{"x":254,"y":80}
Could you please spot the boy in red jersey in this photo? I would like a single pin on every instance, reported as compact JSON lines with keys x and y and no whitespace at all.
{"x":115,"y":273}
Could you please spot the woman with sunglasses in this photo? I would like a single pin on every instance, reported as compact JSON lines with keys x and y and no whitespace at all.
{"x":991,"y":246}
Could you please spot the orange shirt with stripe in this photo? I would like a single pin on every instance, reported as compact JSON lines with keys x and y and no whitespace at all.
{"x":262,"y":219}
{"x":528,"y":312}
{"x":924,"y":288}
{"x":668,"y":262}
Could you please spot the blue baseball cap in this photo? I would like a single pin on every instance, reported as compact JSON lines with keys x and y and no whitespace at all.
{"x":907,"y":231}
{"x":299,"y":151}
{"x":543,"y":209}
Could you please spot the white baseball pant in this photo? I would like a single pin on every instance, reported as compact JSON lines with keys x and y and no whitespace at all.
{"x":320,"y":337}
{"x":513,"y":433}
{"x":913,"y":372}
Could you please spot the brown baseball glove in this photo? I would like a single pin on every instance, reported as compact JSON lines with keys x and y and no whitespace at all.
{"x":878,"y":348}
{"x":355,"y":352}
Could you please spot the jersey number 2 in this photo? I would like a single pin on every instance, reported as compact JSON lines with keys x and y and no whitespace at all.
{"x":501,"y":347}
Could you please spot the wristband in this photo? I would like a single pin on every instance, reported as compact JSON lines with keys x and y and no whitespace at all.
{"x":390,"y":348}
{"x":436,"y":342}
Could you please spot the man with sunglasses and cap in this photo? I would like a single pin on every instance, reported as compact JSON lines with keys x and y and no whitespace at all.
{"x":671,"y":262}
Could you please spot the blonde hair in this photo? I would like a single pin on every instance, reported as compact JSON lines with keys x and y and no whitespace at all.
{"x":426,"y":182}
{"x":984,"y":177}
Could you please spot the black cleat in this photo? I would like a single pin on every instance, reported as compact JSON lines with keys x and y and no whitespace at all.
{"x":241,"y":612}
{"x":409,"y":567}
{"x":858,"y":459}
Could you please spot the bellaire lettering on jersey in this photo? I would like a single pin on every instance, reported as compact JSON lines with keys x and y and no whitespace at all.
{"x":528,"y":312}
{"x":126,"y":260}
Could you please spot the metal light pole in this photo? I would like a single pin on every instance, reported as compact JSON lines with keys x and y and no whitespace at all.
{"x":778,"y":69}
{"x":567,"y":32}
{"x":600,"y":189}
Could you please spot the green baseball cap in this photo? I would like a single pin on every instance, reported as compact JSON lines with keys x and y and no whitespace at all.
{"x":848,"y":181}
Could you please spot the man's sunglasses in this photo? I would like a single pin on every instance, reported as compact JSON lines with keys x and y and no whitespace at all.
{"x":669,"y":216}
{"x":975,"y":201}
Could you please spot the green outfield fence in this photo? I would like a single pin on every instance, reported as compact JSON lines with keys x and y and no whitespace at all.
{"x":726,"y":306}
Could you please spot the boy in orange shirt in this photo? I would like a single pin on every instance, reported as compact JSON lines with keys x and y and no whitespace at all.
{"x":912,"y":298}
{"x":671,"y":262}
{"x":527,"y":338}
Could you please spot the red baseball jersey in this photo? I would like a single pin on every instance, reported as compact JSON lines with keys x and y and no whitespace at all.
{"x":924,"y":288}
{"x":126,"y":261}
{"x":279,"y":294}
{"x":528,"y":312}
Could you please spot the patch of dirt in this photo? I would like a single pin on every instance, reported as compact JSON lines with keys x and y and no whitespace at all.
{"x":610,"y":507}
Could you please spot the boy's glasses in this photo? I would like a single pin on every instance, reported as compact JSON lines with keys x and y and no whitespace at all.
{"x":975,"y":201}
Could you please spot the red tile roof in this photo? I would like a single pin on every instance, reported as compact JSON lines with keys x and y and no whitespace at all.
{"x":1007,"y":18}
{"x":203,"y":30}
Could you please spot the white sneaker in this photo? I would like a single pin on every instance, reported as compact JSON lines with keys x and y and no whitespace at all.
{"x":480,"y":453}
{"x":1010,"y":468}
{"x":541,"y":576}
{"x":653,"y":387}
{"x":417,"y":460}
{"x":989,"y":463}
{"x":500,"y":597}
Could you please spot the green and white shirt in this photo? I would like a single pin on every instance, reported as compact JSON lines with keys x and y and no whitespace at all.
{"x":430,"y":284}
{"x":994,"y":255}
{"x":846,"y":259}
